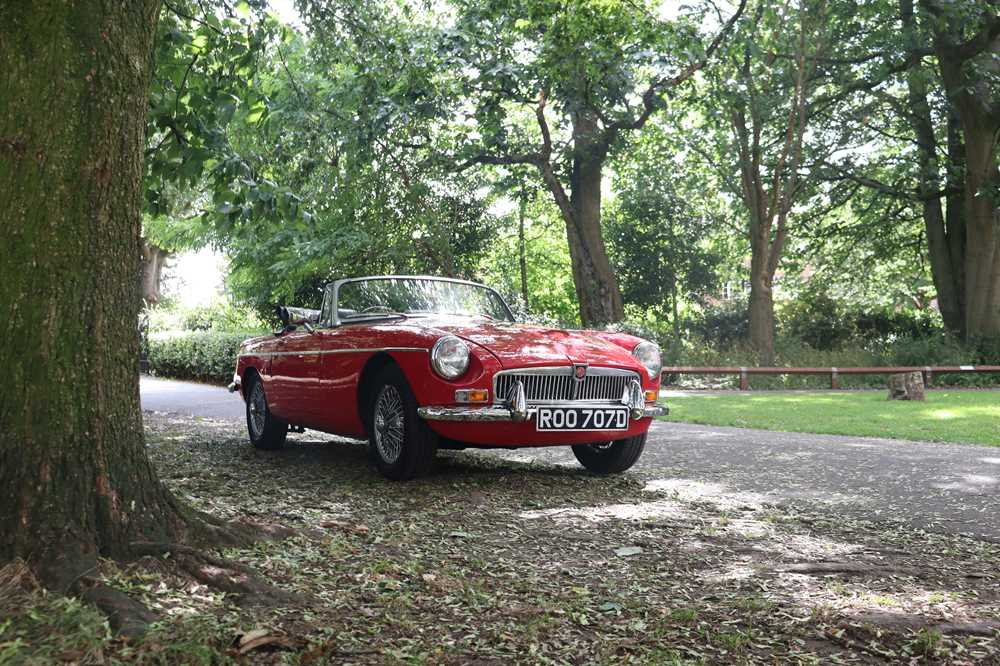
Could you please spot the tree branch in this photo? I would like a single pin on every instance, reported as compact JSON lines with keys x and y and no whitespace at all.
{"x":651,"y":95}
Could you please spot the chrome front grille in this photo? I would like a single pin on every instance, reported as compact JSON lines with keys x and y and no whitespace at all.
{"x":557,"y":384}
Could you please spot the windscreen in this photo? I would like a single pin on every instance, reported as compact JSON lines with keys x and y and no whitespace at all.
{"x":414,"y":296}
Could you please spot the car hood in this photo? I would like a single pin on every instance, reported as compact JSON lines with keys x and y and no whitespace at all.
{"x":523,"y":345}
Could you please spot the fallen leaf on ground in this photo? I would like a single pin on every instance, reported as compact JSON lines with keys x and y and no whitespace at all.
{"x":628,"y":551}
{"x":258,"y":638}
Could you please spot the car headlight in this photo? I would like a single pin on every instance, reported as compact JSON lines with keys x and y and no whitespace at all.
{"x":649,"y":355}
{"x":450,"y":357}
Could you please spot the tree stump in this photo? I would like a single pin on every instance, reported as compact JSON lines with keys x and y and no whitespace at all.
{"x":906,"y":386}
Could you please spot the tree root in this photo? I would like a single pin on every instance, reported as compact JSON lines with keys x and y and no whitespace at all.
{"x":126,"y":616}
{"x":225,"y":575}
{"x":898,"y":621}
{"x":204,"y":529}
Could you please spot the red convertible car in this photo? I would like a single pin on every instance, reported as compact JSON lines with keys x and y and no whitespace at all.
{"x":416,"y":363}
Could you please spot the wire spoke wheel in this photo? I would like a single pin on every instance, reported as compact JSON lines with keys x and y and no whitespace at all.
{"x":389,"y":424}
{"x":258,"y":410}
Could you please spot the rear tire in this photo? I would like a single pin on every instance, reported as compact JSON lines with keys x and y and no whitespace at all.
{"x":267,"y":432}
{"x":610,"y":457}
{"x":401,"y":444}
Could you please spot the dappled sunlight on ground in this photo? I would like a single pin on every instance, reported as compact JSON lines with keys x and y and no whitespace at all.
{"x":725,"y":497}
{"x":719,"y":494}
{"x":525,"y":558}
{"x":970,"y":483}
{"x":597,"y":514}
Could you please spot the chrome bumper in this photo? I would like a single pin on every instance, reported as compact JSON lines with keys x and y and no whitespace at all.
{"x":505,"y":415}
{"x":515,"y":408}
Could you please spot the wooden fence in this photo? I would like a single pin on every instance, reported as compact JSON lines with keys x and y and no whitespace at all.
{"x":928,"y":372}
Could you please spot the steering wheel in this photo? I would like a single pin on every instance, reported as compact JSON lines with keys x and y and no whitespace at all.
{"x":377,"y":308}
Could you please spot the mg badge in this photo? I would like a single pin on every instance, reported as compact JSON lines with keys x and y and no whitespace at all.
{"x":579,"y":373}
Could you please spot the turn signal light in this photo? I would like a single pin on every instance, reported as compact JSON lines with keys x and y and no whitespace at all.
{"x":650,"y":396}
{"x":472,"y":395}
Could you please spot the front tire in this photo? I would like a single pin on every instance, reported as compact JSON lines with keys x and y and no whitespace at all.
{"x":267,"y":432}
{"x":402,"y":445}
{"x":610,"y":457}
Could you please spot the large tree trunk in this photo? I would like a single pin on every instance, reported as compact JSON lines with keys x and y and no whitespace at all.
{"x":940,"y":244}
{"x":966,"y":65}
{"x":982,"y":294}
{"x":955,"y":206}
{"x":761,"y":309}
{"x":596,"y":284}
{"x":77,"y":481}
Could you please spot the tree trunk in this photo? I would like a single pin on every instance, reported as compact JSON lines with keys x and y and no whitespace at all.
{"x":77,"y":481}
{"x":768,"y":208}
{"x":761,"y":310}
{"x":955,"y":207}
{"x":153,"y":260}
{"x":522,"y":252}
{"x":939,"y":244}
{"x":965,"y":72}
{"x":675,"y":307}
{"x":595,"y":281}
{"x":982,"y":294}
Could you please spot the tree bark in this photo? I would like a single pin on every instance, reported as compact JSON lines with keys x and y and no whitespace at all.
{"x":955,"y":206}
{"x":982,"y":293}
{"x":153,"y":261}
{"x":675,"y":308}
{"x":965,"y":63}
{"x":596,"y":285}
{"x":761,"y":314}
{"x":945,"y":273}
{"x":77,"y":481}
{"x":522,"y":250}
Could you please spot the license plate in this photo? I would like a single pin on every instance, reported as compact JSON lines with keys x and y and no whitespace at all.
{"x":581,"y":418}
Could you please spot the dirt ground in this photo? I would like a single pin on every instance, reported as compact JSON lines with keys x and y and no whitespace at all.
{"x":492,"y":561}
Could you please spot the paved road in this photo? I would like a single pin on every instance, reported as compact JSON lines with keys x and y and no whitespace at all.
{"x":165,"y":395}
{"x":941,"y":487}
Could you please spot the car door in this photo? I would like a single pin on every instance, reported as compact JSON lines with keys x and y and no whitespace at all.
{"x":294,"y":382}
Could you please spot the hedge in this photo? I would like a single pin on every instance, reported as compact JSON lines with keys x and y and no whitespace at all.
{"x":200,"y":355}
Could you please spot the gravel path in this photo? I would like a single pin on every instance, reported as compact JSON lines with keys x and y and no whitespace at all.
{"x":945,"y":488}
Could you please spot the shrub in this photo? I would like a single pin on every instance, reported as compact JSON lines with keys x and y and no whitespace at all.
{"x":723,"y":325}
{"x":206,"y":356}
{"x":819,"y":321}
{"x":987,"y":350}
{"x":930,"y":350}
{"x":221,"y":316}
{"x":886,"y":326}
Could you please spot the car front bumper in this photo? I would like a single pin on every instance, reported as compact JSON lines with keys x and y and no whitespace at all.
{"x":515,"y":408}
{"x":508,"y":415}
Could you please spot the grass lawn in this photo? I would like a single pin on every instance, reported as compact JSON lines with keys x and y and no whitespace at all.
{"x":966,"y":417}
